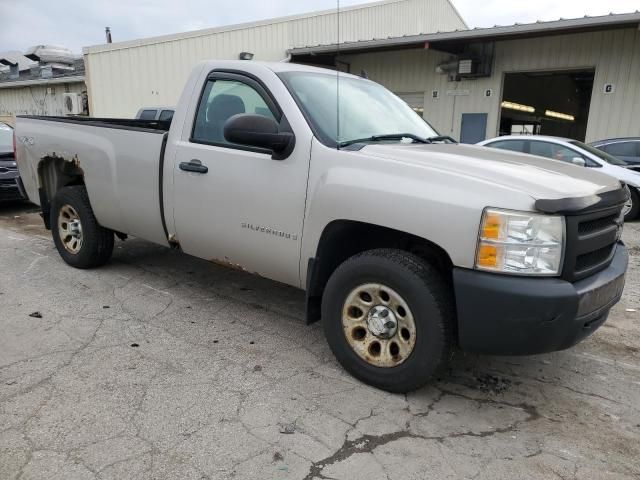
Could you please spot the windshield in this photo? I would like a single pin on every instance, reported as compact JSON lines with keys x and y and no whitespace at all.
{"x":6,"y":138}
{"x":600,"y":154}
{"x":366,"y":109}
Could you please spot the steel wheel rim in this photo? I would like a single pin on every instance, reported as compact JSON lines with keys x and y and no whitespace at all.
{"x":70,"y":229}
{"x":381,"y":339}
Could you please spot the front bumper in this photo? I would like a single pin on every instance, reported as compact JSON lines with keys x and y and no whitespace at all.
{"x":509,"y":315}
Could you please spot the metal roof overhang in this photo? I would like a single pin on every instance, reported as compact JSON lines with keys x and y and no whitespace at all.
{"x":42,"y":81}
{"x":454,"y":42}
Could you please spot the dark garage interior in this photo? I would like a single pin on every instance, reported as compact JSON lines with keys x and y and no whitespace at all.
{"x":547,"y":103}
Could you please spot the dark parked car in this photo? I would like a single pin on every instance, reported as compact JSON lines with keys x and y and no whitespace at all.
{"x":10,"y":185}
{"x":627,"y":149}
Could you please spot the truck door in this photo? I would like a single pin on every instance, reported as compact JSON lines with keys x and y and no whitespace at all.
{"x":232,"y":204}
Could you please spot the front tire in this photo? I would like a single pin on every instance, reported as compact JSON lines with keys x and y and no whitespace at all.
{"x":80,"y":240}
{"x":388,"y":316}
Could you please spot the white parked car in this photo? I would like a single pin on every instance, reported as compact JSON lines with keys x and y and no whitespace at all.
{"x":578,"y":153}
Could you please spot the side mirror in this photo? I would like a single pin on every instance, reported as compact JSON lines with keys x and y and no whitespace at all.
{"x":579,"y":161}
{"x":259,"y":131}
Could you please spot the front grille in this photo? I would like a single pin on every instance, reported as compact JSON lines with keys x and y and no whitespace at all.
{"x":597,"y":224}
{"x":587,"y":260}
{"x":591,"y":242}
{"x":7,"y":182}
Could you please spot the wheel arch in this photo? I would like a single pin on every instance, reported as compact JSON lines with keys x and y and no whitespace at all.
{"x":341,"y":239}
{"x":55,"y":173}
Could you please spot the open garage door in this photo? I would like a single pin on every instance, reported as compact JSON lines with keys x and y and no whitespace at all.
{"x":547,"y":103}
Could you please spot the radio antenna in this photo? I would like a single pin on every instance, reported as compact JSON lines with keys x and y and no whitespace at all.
{"x":338,"y":77}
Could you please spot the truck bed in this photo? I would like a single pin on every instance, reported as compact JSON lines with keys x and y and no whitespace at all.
{"x":121,"y":160}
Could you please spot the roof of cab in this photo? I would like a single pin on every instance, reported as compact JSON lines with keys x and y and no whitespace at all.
{"x":277,"y":67}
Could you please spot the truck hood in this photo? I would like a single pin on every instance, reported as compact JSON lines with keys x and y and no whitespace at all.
{"x":539,"y":177}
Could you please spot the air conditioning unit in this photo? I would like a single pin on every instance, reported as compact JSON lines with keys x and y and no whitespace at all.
{"x":72,"y":103}
{"x":466,"y":67}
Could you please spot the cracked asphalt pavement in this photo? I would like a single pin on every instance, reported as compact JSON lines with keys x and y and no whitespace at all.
{"x":162,"y":366}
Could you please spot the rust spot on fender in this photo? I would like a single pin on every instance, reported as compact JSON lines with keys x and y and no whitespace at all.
{"x":226,"y":262}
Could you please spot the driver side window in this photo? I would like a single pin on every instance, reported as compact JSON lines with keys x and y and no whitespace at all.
{"x":221,"y":100}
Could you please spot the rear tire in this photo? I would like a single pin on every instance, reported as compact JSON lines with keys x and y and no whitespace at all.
{"x":80,"y":240}
{"x":406,"y":287}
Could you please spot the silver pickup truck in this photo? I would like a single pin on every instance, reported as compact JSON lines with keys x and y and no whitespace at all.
{"x":408,"y":244}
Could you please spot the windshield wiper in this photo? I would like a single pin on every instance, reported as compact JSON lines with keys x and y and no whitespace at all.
{"x":390,"y":136}
{"x":441,"y":138}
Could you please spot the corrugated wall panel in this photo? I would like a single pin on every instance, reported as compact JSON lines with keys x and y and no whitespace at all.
{"x":632,"y":111}
{"x":125,"y":77}
{"x":36,"y":100}
{"x":614,"y":54}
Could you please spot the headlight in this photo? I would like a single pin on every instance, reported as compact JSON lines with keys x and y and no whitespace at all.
{"x":520,"y":243}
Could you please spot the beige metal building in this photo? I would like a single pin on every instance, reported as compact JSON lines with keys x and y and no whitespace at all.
{"x":578,"y":78}
{"x":125,"y":76}
{"x":37,"y":97}
{"x":30,"y":86}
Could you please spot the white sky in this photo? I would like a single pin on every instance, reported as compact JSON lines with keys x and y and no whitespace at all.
{"x":78,"y":23}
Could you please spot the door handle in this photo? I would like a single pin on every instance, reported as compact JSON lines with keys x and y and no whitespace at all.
{"x":194,"y":166}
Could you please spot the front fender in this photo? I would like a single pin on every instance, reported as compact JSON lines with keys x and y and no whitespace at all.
{"x":439,"y":206}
